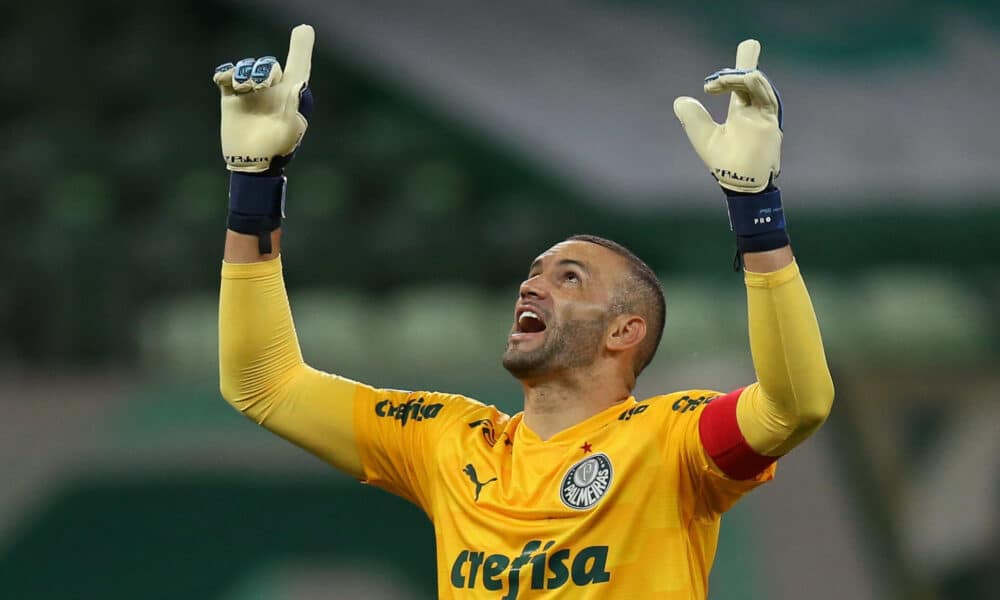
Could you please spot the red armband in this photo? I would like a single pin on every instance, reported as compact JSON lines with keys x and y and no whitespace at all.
{"x":724,"y":442}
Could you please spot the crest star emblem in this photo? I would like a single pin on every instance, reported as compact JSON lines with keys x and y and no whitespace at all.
{"x":586,"y":447}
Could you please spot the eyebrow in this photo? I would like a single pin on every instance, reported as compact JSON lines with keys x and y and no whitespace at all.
{"x":562,"y":262}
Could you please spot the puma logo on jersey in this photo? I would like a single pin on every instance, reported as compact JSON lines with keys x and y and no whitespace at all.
{"x":549,"y":571}
{"x":471,"y":472}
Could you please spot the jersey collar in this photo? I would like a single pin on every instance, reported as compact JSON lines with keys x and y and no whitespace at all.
{"x":571,"y":435}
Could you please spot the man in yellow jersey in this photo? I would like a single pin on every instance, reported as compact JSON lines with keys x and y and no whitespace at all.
{"x":587,"y":493}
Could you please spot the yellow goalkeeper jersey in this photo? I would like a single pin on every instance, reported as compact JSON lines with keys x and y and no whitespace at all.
{"x":623,"y":505}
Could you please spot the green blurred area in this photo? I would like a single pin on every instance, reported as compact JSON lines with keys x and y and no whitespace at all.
{"x":201,"y":537}
{"x":117,"y":199}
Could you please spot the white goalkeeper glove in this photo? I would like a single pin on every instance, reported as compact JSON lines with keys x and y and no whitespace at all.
{"x":264,"y":109}
{"x":744,"y":153}
{"x":264,"y":117}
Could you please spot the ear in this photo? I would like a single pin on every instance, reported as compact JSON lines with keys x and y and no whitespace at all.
{"x":626,"y":331}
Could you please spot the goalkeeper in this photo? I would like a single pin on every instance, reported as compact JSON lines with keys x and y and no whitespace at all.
{"x":588,"y":492}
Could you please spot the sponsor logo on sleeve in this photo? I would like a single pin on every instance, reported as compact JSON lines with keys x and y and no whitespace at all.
{"x":550,"y":569}
{"x":411,"y":410}
{"x":586,"y":482}
{"x":688,"y":404}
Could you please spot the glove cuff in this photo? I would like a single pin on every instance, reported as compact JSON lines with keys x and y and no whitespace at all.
{"x":256,"y":205}
{"x":758,"y":220}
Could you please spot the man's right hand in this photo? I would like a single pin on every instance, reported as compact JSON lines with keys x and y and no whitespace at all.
{"x":264,"y":114}
{"x":264,"y":110}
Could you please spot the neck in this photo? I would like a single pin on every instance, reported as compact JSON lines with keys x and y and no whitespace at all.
{"x":559,"y":401}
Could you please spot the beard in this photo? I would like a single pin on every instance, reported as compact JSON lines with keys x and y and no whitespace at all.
{"x":568,"y":345}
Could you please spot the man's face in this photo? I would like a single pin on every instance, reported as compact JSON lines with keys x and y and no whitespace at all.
{"x":563,"y":310}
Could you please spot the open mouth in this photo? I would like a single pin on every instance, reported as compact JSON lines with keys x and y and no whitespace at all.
{"x":528,"y":322}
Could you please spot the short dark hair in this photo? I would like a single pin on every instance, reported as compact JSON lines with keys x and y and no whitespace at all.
{"x":642,"y":294}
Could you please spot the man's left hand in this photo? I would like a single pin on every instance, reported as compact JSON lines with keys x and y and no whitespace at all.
{"x":744,"y":153}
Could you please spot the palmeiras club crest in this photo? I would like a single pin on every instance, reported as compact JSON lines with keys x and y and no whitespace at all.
{"x":586,"y":482}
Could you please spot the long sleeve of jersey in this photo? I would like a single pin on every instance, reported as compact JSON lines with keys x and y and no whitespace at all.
{"x":794,"y":391}
{"x":262,"y":374}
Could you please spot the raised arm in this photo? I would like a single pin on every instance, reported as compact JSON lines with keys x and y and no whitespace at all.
{"x":794,"y":391}
{"x":261,"y":371}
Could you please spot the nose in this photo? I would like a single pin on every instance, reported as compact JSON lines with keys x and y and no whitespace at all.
{"x":532,"y":288}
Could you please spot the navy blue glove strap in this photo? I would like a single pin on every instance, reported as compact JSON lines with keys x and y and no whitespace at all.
{"x":758,"y":220}
{"x":256,"y":205}
{"x":750,"y":214}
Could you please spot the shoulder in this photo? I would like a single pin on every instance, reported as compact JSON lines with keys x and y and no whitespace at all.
{"x":443,"y":408}
{"x":462,"y":420}
{"x":683,"y":402}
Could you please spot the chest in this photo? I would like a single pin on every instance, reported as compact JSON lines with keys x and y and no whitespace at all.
{"x":492,"y":481}
{"x":577,"y":517}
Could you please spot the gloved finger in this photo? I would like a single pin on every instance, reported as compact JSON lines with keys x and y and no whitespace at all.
{"x":747,"y":55}
{"x":266,"y":72}
{"x":300,"y":102}
{"x":762,"y":93}
{"x":223,"y":78}
{"x":729,"y":80}
{"x":300,"y":47}
{"x":750,"y":88}
{"x":241,"y":75}
{"x":697,"y":123}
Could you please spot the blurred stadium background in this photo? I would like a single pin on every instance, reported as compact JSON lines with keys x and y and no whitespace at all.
{"x":453,"y":141}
